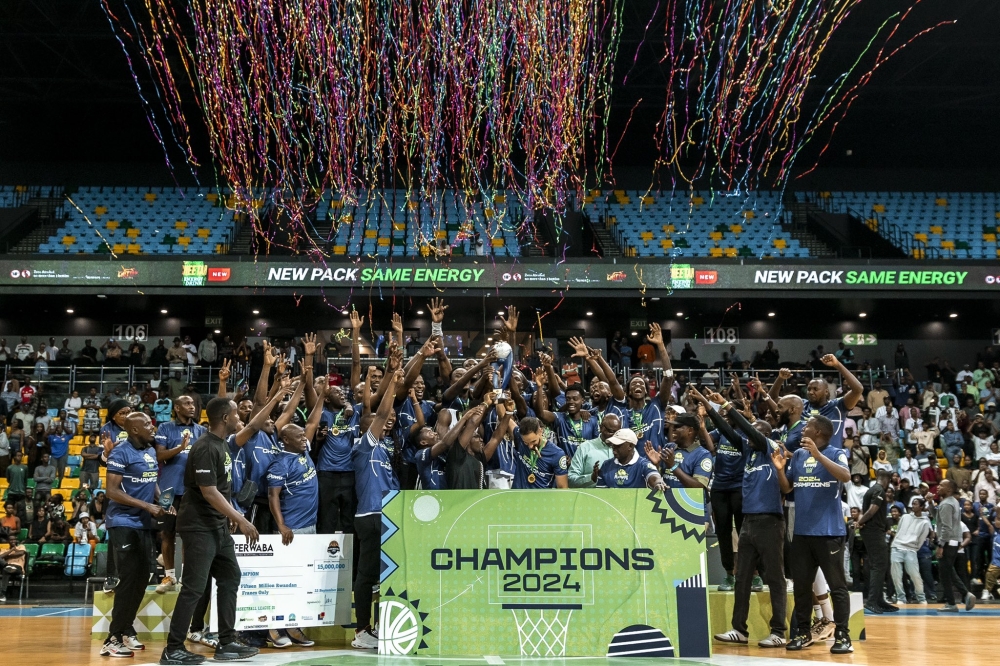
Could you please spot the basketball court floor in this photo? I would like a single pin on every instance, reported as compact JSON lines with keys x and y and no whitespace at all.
{"x":60,"y":636}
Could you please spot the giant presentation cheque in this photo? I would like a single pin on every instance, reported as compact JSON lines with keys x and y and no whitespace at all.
{"x":567,"y":573}
{"x":304,"y":584}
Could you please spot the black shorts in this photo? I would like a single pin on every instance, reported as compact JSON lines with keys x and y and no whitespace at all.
{"x":167,"y":523}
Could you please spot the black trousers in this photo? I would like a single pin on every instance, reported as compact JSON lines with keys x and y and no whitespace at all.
{"x":878,"y":564}
{"x":260,"y":515}
{"x":198,"y":619}
{"x":762,"y":543}
{"x":206,"y":554}
{"x":338,"y":502}
{"x":727,"y":508}
{"x":827,"y":554}
{"x":131,"y":550}
{"x":950,"y":580}
{"x":5,"y":573}
{"x":369,"y":529}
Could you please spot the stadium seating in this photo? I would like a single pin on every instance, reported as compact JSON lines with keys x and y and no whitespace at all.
{"x":696,"y":224}
{"x":960,"y":225}
{"x":141,"y":220}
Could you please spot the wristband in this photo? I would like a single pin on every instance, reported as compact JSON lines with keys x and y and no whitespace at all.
{"x":726,"y":405}
{"x":437,"y":329}
{"x":668,"y":373}
{"x":676,"y":465}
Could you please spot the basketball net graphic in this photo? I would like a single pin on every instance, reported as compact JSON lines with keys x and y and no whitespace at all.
{"x":542,"y":628}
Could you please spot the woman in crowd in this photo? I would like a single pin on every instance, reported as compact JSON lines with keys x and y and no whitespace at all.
{"x":98,"y":505}
{"x":909,"y":468}
{"x":882,"y":462}
{"x":16,"y":437}
{"x":39,"y":525}
{"x":37,"y":445}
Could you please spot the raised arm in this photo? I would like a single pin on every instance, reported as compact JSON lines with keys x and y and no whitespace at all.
{"x":357,"y":321}
{"x":312,"y":423}
{"x":224,"y":373}
{"x":667,"y":383}
{"x":260,"y":397}
{"x":855,"y":389}
{"x":293,"y":403}
{"x":556,"y":384}
{"x":721,"y":424}
{"x":393,"y":363}
{"x":418,"y":414}
{"x":385,"y":405}
{"x":504,"y":421}
{"x":309,"y":347}
{"x":256,"y":422}
{"x":783,"y":375}
{"x":542,"y":400}
{"x":416,"y":365}
{"x":617,"y":392}
{"x":780,"y":461}
{"x":510,"y":330}
{"x":437,"y":307}
{"x":452,"y":392}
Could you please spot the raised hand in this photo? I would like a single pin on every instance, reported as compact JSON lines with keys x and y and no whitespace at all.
{"x":397,"y":325}
{"x":491,"y":355}
{"x":397,"y":376}
{"x":437,"y":308}
{"x":714,"y":397}
{"x":696,"y":394}
{"x":225,"y":371}
{"x":357,"y":321}
{"x":758,"y":386}
{"x":185,"y":441}
{"x":829,"y":360}
{"x":546,"y":360}
{"x":510,"y":323}
{"x":593,"y":475}
{"x":431,"y":346}
{"x":579,"y":347}
{"x":652,"y":454}
{"x":107,"y":444}
{"x":270,"y":355}
{"x":811,"y":447}
{"x":282,"y":365}
{"x":395,"y":357}
{"x":540,"y":377}
{"x":655,"y":334}
{"x":784,"y":374}
{"x":309,"y":344}
{"x":778,"y":458}
{"x":593,"y":353}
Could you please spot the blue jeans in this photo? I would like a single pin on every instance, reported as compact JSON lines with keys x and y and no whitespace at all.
{"x":904,"y":557}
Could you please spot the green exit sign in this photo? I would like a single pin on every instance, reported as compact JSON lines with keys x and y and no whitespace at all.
{"x":861,"y":339}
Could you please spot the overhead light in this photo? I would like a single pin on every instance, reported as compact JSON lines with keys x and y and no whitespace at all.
{"x":862,"y":314}
{"x":500,"y":313}
{"x":420,"y":312}
{"x":635,"y":333}
{"x":218,"y":331}
{"x":70,"y":311}
{"x":101,"y":296}
{"x":680,"y":314}
{"x":256,"y":311}
{"x":163,"y":311}
{"x":770,"y":314}
{"x":655,"y":298}
{"x":954,"y":315}
{"x":590,"y":314}
{"x":489,"y":339}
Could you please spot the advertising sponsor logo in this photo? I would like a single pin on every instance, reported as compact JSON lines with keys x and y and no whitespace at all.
{"x":617,"y":276}
{"x":333,"y":549}
{"x":321,"y":615}
{"x":278,"y":618}
{"x":308,"y":618}
{"x":706,"y":277}
{"x":992,"y":279}
{"x":219,"y":274}
{"x":125,"y":273}
{"x":194,"y":273}
{"x":20,"y":273}
{"x":262,"y":618}
{"x":681,"y":276}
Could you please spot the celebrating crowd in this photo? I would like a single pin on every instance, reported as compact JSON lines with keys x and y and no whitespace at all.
{"x":836,"y":487}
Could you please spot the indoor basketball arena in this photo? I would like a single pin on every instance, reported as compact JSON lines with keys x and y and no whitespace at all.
{"x":499,"y":332}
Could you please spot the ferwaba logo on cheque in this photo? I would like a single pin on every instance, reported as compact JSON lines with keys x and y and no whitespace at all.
{"x":334,"y":549}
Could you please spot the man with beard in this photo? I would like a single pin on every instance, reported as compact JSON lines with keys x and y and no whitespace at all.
{"x":687,"y":465}
{"x":645,"y":416}
{"x":539,"y":462}
{"x":626,"y":468}
{"x":412,"y":411}
{"x":819,"y":402}
{"x":573,"y":426}
{"x":592,"y":454}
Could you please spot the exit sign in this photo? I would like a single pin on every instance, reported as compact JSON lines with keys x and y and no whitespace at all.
{"x":637,"y":324}
{"x":213,"y":321}
{"x":861,"y":339}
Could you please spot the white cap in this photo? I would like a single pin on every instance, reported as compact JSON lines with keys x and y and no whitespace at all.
{"x":622,"y":436}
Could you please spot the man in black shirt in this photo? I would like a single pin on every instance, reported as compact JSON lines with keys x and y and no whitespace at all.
{"x":203,"y":524}
{"x":874,"y":524}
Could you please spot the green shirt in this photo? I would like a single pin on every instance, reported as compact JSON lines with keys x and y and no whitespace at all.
{"x":581,"y":468}
{"x":16,"y":474}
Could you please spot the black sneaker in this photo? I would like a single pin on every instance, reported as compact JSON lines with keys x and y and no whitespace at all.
{"x":234,"y":651}
{"x":874,"y":610}
{"x":842,"y":643}
{"x":110,"y":583}
{"x":113,"y":647}
{"x":180,"y":657}
{"x":889,"y":608}
{"x":255,"y":639}
{"x":799,"y":642}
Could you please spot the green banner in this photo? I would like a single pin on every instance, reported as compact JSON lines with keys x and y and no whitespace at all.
{"x":203,"y":274}
{"x":532,"y":573}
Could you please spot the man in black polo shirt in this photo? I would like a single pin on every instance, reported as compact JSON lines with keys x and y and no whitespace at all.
{"x":203,"y":525}
{"x":874,"y":524}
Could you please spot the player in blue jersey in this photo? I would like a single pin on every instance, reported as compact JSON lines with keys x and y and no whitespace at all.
{"x":113,"y":431}
{"x":132,"y":474}
{"x":819,"y":402}
{"x":606,"y":393}
{"x":645,"y":415}
{"x":626,"y":468}
{"x":573,"y":426}
{"x":458,"y":396}
{"x":374,"y":458}
{"x":539,"y":462}
{"x":173,"y":440}
{"x":413,"y":412}
{"x":817,"y":473}
{"x":688,"y":465}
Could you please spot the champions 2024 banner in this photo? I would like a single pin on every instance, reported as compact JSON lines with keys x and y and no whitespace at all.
{"x":564,"y":573}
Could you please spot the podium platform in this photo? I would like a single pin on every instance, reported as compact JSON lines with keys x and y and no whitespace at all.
{"x":720,"y":607}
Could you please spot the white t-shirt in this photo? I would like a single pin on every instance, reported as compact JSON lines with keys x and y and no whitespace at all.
{"x":73,"y":404}
{"x":982,"y":445}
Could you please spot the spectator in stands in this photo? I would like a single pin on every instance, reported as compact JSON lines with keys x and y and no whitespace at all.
{"x":58,"y":441}
{"x":63,"y":355}
{"x":81,"y":503}
{"x":17,"y":476}
{"x":901,"y":360}
{"x":11,"y":395}
{"x":158,"y":356}
{"x":98,"y":507}
{"x":42,"y":416}
{"x":208,"y":351}
{"x":88,"y":355}
{"x":5,"y":455}
{"x":769,"y":357}
{"x":687,"y":354}
{"x":844,"y":354}
{"x":876,"y":397}
{"x":133,"y":398}
{"x":909,"y":468}
{"x":226,"y":349}
{"x":41,"y":358}
{"x":986,"y":481}
{"x":45,"y":475}
{"x":888,"y":417}
{"x":58,"y":531}
{"x":27,"y":391}
{"x":23,"y":351}
{"x":190,"y":351}
{"x":136,"y":351}
{"x":881,"y":462}
{"x":113,"y":354}
{"x":5,"y":353}
{"x":39,"y":525}
{"x":92,"y":413}
{"x":85,"y":530}
{"x":91,"y":467}
{"x":54,"y":506}
{"x":73,"y":403}
{"x":14,"y":561}
{"x":10,"y":524}
{"x":176,"y":355}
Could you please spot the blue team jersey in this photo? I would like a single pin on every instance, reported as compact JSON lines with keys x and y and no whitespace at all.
{"x":571,"y":434}
{"x":818,"y":511}
{"x":696,"y":462}
{"x":117,"y":435}
{"x":505,"y":457}
{"x":977,"y":508}
{"x":791,"y":438}
{"x":761,"y":491}
{"x":373,"y":472}
{"x":617,"y":407}
{"x":430,"y":469}
{"x":406,"y":418}
{"x":996,"y":549}
{"x":137,"y":468}
{"x":730,"y":461}
{"x":296,"y":475}
{"x":833,"y":410}
{"x":647,"y":424}
{"x":59,"y":445}
{"x":238,"y":469}
{"x":169,"y":435}
{"x":459,"y":404}
{"x":260,"y":451}
{"x":490,"y":422}
{"x":634,"y":474}
{"x":537,"y":469}
{"x":341,"y":431}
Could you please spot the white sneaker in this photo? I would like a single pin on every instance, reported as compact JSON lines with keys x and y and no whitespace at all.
{"x":985,"y":596}
{"x":159,"y":559}
{"x":168,"y":584}
{"x":194,"y":637}
{"x":772,"y":641}
{"x":115,"y":648}
{"x":365,"y":639}
{"x":823,"y":630}
{"x":733,"y":636}
{"x":299,"y":638}
{"x":210,"y":639}
{"x":133,"y":643}
{"x":277,"y":639}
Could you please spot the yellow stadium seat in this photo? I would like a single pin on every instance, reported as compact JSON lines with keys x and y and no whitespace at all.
{"x":736,"y":228}
{"x":488,"y":212}
{"x":597,"y":193}
{"x":780,"y":243}
{"x":624,"y":201}
{"x":371,"y":233}
{"x":132,"y":233}
{"x":990,"y":238}
{"x":4,"y":546}
{"x":497,"y":242}
{"x":919,"y":253}
{"x":340,"y":249}
{"x":150,"y":197}
{"x":715,"y":235}
{"x":425,"y":250}
{"x":111,"y":225}
{"x":184,"y":240}
{"x":213,"y":197}
{"x":399,"y":226}
{"x":872,"y":223}
{"x":440,"y":234}
{"x":941,"y":201}
{"x":715,"y":251}
{"x":731,"y":252}
{"x":668,"y":228}
{"x":697,"y":201}
{"x":824,"y":195}
{"x":749,"y":214}
{"x":68,"y":240}
{"x":69,"y":483}
{"x":646,"y":235}
{"x":134,"y":248}
{"x":611,"y":219}
{"x":499,"y":198}
{"x":67,"y":506}
{"x":118,"y":248}
{"x":948,"y":245}
{"x":619,"y":193}
{"x":180,"y":225}
{"x":101,"y":210}
{"x":666,"y":244}
{"x":3,"y":483}
{"x":203,"y":233}
{"x":879,"y":208}
{"x":588,"y":199}
{"x":75,"y":450}
{"x":920,"y":237}
{"x":648,"y":201}
{"x":384,"y":242}
{"x":937,"y":231}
